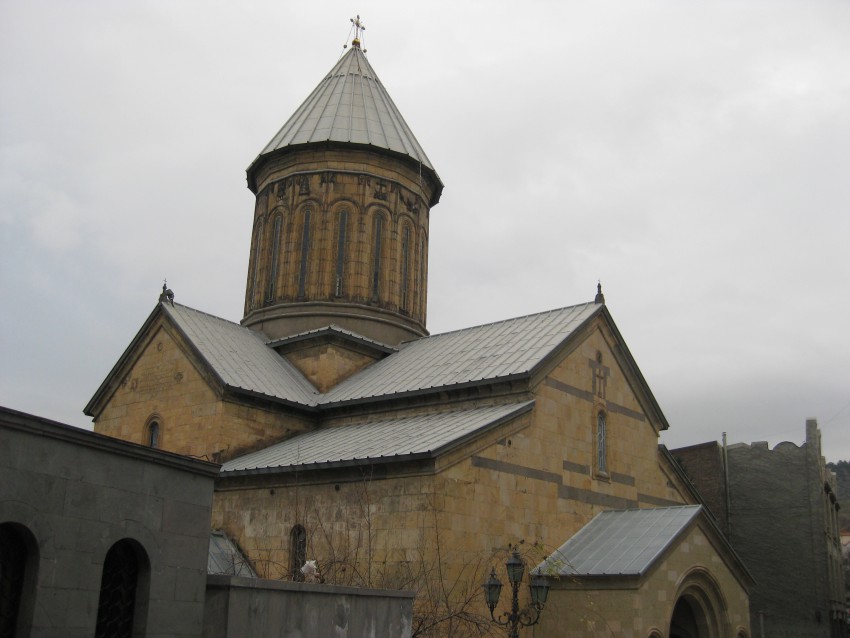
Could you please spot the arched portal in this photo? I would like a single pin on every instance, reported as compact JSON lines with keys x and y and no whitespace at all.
{"x":700,"y":610}
{"x":122,"y":606}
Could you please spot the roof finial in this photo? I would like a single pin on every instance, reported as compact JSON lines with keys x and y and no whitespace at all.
{"x":359,"y":28}
{"x":167,"y":294}
{"x":600,"y":298}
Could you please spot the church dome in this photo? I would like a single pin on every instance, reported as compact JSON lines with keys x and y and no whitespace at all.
{"x":349,"y":106}
{"x":343,"y":197}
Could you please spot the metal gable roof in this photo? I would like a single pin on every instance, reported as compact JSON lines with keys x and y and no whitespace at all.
{"x":620,"y":543}
{"x":240,"y":357}
{"x":387,"y":439}
{"x":350,"y":105}
{"x":492,"y":351}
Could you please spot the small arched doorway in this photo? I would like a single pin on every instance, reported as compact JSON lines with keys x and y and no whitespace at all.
{"x":122,"y":605}
{"x":684,"y":622}
{"x":700,"y":610}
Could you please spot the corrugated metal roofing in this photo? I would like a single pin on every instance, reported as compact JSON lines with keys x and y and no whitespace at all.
{"x":240,"y":357}
{"x":225,"y":558}
{"x":415,"y":435}
{"x":350,"y":105}
{"x":501,"y":349}
{"x":331,"y":329}
{"x":620,"y":543}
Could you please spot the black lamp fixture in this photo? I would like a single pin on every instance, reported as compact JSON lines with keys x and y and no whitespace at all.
{"x":514,"y":619}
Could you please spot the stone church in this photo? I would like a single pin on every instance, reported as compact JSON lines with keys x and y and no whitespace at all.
{"x":402,"y":460}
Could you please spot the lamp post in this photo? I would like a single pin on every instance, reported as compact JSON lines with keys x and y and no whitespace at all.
{"x":516,"y":618}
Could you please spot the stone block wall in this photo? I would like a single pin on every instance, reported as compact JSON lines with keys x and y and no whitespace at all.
{"x":165,"y":385}
{"x":72,"y":495}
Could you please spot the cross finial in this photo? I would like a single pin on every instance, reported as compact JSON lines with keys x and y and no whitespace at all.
{"x":359,"y":28}
{"x":600,"y":298}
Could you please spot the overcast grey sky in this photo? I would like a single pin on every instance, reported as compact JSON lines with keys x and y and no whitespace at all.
{"x":694,"y":156}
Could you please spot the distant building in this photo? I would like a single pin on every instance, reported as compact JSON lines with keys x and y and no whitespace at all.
{"x":779,"y":510}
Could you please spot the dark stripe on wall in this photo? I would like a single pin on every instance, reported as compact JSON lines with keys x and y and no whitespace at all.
{"x":619,"y":409}
{"x":563,"y":387}
{"x":575,"y":493}
{"x":624,"y":479}
{"x":595,"y":498}
{"x":569,"y":466}
{"x":660,"y":502}
{"x":519,"y":470}
{"x":588,"y":396}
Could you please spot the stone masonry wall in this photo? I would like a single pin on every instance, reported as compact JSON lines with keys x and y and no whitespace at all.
{"x":165,"y":385}
{"x":77,"y":494}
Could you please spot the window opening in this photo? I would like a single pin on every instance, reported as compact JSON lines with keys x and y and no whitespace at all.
{"x":305,"y":249}
{"x":153,"y":434}
{"x":13,"y":565}
{"x":376,"y":262}
{"x":340,"y":252}
{"x":275,"y":249}
{"x":405,"y":242}
{"x":256,"y":274}
{"x":601,"y":443}
{"x":118,"y":585}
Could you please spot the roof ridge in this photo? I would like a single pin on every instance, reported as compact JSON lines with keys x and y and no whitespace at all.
{"x":208,"y":314}
{"x":502,"y":321}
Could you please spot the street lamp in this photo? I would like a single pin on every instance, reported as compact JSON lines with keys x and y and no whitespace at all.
{"x":514,"y":619}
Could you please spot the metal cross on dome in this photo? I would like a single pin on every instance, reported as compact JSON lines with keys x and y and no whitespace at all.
{"x":359,"y":28}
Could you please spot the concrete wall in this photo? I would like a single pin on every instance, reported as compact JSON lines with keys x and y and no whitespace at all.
{"x":238,"y":607}
{"x":75,"y":494}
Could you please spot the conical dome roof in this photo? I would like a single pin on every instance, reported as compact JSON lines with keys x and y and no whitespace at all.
{"x":350,"y":105}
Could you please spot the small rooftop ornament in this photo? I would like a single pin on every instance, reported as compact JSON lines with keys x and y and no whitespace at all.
{"x":600,"y":298}
{"x":359,"y":28}
{"x":167,"y":295}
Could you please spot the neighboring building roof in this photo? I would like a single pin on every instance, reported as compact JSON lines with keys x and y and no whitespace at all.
{"x":240,"y":356}
{"x":224,"y":557}
{"x":411,"y":437}
{"x":620,"y":543}
{"x":493,"y":351}
{"x":350,"y":105}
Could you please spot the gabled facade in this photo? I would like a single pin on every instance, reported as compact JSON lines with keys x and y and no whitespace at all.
{"x":348,"y":434}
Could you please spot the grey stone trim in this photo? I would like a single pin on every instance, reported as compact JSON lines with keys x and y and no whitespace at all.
{"x":624,"y":479}
{"x":563,"y":387}
{"x":595,"y":498}
{"x":519,"y":470}
{"x":588,"y":396}
{"x":652,"y":500}
{"x":578,"y":468}
{"x":619,"y":409}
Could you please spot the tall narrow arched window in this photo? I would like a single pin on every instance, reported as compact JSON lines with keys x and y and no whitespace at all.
{"x":153,"y":434}
{"x":275,"y":258}
{"x":376,"y":258}
{"x":422,"y":284}
{"x":601,"y":443}
{"x":119,"y":604}
{"x":405,"y":268}
{"x":340,"y":252}
{"x":255,"y":274}
{"x":18,"y":565}
{"x":305,"y":254}
{"x":297,"y":551}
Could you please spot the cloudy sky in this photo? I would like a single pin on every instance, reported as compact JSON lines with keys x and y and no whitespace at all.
{"x":693,"y":156}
